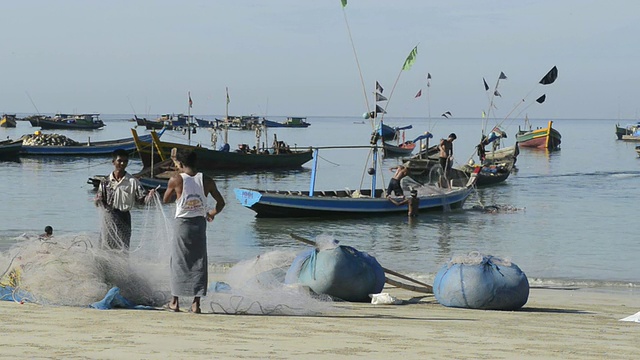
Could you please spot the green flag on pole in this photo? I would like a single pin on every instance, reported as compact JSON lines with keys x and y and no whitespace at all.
{"x":344,"y":3}
{"x":410,"y":59}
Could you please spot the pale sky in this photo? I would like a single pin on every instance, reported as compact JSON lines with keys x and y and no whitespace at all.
{"x":295,"y":57}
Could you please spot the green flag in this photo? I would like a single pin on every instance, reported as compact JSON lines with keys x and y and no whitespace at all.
{"x":410,"y":59}
{"x":344,"y":3}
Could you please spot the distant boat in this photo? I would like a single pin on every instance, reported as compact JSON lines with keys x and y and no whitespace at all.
{"x":292,"y":122}
{"x":71,"y":122}
{"x":638,"y":149}
{"x":207,"y":123}
{"x":8,"y":121}
{"x":541,"y":138}
{"x":277,"y":158}
{"x":627,"y":130}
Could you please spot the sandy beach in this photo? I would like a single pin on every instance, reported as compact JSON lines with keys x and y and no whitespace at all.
{"x":554,"y":324}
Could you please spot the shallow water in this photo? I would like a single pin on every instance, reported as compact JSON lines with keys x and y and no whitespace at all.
{"x":570,"y":216}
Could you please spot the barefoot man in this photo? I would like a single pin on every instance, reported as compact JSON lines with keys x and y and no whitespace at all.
{"x":189,"y":275}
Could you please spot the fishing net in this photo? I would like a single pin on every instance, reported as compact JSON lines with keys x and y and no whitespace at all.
{"x":76,"y":270}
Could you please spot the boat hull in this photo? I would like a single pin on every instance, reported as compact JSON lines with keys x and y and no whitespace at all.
{"x":223,"y":160}
{"x":403,"y":149}
{"x":490,"y":174}
{"x":63,"y":125}
{"x":287,"y":204}
{"x":99,"y":148}
{"x":9,"y":149}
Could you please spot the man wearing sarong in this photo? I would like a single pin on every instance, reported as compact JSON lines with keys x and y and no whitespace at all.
{"x":117,"y":194}
{"x":189,"y":275}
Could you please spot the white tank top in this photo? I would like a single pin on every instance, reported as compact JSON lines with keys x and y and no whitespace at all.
{"x":192,"y":202}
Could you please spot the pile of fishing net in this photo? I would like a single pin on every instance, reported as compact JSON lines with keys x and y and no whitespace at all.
{"x":41,"y":139}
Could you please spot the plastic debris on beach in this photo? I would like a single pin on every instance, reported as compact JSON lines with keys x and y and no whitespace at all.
{"x":633,"y":318}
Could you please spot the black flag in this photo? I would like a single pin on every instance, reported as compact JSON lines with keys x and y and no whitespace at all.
{"x":380,"y":110}
{"x":379,"y":97}
{"x":502,"y":76}
{"x":541,"y":99}
{"x":486,"y":86}
{"x":551,"y":76}
{"x":379,"y":88}
{"x":446,"y":114}
{"x":496,"y":93}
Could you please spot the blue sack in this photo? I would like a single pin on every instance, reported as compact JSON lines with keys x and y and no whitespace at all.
{"x":342,"y":272}
{"x":489,"y":284}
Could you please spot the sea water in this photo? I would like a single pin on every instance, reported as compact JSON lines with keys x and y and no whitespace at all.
{"x":567,"y":218}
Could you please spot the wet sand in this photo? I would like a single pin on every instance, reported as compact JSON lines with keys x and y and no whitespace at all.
{"x":554,"y":324}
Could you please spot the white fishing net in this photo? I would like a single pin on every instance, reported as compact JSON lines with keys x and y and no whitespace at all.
{"x":74,"y":270}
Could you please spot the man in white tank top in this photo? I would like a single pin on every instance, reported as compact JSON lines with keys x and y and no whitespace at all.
{"x":189,"y":263}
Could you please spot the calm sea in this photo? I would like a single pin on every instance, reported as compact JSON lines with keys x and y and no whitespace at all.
{"x":570,"y":217}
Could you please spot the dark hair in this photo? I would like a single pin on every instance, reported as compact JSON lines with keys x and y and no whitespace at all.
{"x":187,"y":158}
{"x":120,"y":152}
{"x":48,"y":230}
{"x":453,"y":136}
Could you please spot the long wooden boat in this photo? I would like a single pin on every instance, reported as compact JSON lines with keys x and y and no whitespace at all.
{"x":429,"y":170}
{"x":71,"y":122}
{"x":542,"y":138}
{"x":290,"y":122}
{"x":9,"y":149}
{"x":209,"y":159}
{"x":343,"y":203}
{"x":8,"y":121}
{"x":89,"y":148}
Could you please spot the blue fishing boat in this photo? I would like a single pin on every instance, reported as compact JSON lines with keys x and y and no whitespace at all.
{"x":9,"y":149}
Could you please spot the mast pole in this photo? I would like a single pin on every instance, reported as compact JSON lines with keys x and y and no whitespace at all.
{"x":226,"y":118}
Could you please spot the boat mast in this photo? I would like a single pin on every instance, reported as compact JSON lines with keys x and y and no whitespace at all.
{"x":226,"y":118}
{"x":189,"y":119}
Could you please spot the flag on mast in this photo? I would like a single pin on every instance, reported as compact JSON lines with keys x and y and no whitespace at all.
{"x":379,"y":88}
{"x":344,"y":3}
{"x":410,"y":59}
{"x":486,"y":86}
{"x":190,"y":102}
{"x":541,"y":99}
{"x":551,"y":76}
{"x":379,"y":97}
{"x":502,"y":76}
{"x":227,"y":95}
{"x":418,"y":94}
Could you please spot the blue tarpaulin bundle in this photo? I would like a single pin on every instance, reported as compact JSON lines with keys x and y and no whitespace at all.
{"x":489,"y":284}
{"x":342,"y":272}
{"x":114,"y":300}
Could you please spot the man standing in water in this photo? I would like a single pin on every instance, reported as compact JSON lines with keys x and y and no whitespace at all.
{"x":446,"y":158}
{"x":117,"y":194}
{"x":413,"y":203}
{"x":189,"y":262}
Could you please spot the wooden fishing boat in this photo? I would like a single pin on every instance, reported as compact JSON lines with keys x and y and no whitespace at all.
{"x":207,"y":123}
{"x":8,"y":121}
{"x":344,"y":203}
{"x":429,"y":171}
{"x":9,"y":149}
{"x":71,"y":122}
{"x":627,"y":130}
{"x":208,"y":159}
{"x":542,"y":138}
{"x":89,"y":148}
{"x":290,"y":122}
{"x":404,"y":149}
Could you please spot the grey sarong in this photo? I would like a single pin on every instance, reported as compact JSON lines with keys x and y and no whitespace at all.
{"x":189,"y":276}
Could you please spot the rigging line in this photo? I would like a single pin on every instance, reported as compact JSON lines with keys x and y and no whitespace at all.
{"x":32,"y":103}
{"x":330,"y":162}
{"x":355,"y":54}
{"x":394,"y":85}
{"x":364,"y":170}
